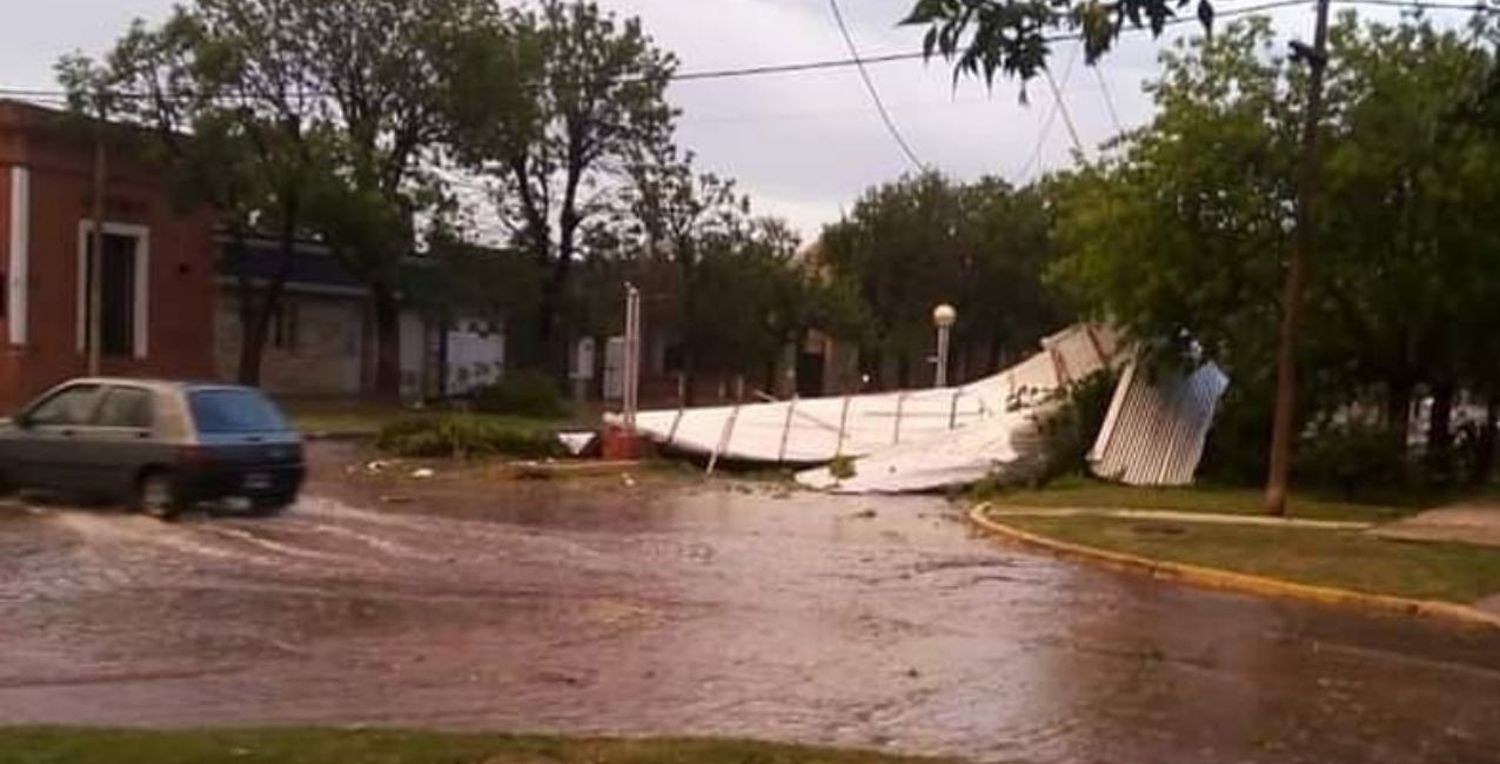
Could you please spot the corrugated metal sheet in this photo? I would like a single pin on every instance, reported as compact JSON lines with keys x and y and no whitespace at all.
{"x":1155,"y":429}
{"x":814,"y":430}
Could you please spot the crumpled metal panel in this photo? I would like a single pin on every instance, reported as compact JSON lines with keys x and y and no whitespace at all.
{"x":1157,"y":425}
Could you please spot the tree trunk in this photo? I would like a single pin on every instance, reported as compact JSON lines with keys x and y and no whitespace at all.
{"x":253,"y":325}
{"x":252,"y":329}
{"x":551,"y":349}
{"x":1440,"y":433}
{"x":689,"y":375}
{"x":873,"y":365}
{"x":255,"y":316}
{"x":1398,"y":409}
{"x":387,"y":342}
{"x":1484,"y":451}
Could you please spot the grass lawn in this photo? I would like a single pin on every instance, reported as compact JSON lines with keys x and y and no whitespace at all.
{"x":1344,"y":559}
{"x":307,"y":746}
{"x":1083,"y":492}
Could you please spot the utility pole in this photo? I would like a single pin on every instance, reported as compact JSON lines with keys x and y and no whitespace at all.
{"x":1304,"y":241}
{"x":95,"y":261}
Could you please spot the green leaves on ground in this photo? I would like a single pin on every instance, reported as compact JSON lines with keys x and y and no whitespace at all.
{"x":466,"y":436}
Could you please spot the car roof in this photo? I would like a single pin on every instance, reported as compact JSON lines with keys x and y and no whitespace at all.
{"x":159,"y":385}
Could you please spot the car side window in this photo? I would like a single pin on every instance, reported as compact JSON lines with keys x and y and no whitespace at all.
{"x":125,"y":407}
{"x":72,"y":406}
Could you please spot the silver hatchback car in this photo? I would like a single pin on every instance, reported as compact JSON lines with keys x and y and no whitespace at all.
{"x":163,"y":446}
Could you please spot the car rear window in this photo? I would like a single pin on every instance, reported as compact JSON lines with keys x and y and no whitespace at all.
{"x":224,"y":411}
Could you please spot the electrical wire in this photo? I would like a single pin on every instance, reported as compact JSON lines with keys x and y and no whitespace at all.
{"x":839,"y":63}
{"x":1062,"y":106}
{"x":864,"y":74}
{"x":843,"y":63}
{"x":1041,"y":139}
{"x":1109,"y":100}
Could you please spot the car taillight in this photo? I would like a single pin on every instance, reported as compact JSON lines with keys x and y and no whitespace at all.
{"x":194,"y":455}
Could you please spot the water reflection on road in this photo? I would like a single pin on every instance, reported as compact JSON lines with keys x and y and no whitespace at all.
{"x":691,"y":609}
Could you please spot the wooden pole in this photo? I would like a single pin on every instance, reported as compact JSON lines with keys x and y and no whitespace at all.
{"x":1284,"y":418}
{"x":94,"y":265}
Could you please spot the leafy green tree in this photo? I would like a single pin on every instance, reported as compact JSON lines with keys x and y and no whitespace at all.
{"x":898,"y":248}
{"x":563,"y":99}
{"x":910,"y":245}
{"x":318,"y":116}
{"x":986,"y":36}
{"x":682,"y":219}
{"x":384,"y":71}
{"x":1410,"y":183}
{"x":228,"y":121}
{"x":1179,"y":236}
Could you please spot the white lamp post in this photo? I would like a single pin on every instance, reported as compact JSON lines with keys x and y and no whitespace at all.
{"x":943,"y":317}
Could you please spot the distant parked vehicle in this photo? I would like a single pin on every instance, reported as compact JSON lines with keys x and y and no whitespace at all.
{"x":162,"y":446}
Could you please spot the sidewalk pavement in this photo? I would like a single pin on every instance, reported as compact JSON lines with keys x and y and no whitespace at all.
{"x":1489,"y":604}
{"x":1470,"y":524}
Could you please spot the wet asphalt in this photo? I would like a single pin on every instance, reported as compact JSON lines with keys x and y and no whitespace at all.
{"x":672,"y":606}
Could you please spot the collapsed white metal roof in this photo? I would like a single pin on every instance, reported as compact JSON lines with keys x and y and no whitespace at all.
{"x":928,"y":439}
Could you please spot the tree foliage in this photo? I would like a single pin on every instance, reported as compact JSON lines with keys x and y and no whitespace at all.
{"x":1014,"y":37}
{"x":217,"y":88}
{"x":910,"y":245}
{"x":1181,"y":235}
{"x":556,"y":104}
{"x":314,"y":116}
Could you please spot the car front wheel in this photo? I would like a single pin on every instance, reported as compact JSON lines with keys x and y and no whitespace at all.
{"x":156,"y":495}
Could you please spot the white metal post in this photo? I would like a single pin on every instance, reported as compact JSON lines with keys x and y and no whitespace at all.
{"x":941,"y":379}
{"x":631,"y":391}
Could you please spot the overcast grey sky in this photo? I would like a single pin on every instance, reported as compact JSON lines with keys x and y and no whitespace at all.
{"x":804,"y":145}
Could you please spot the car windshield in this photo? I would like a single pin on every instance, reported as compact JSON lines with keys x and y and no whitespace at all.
{"x":231,"y":410}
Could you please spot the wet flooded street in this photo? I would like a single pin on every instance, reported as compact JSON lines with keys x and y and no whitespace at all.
{"x":678,"y":607}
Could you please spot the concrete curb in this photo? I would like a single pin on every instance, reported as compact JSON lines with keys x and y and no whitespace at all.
{"x":1216,"y":578}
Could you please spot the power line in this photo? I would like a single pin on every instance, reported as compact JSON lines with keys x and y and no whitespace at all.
{"x":1041,"y":139}
{"x":885,"y":116}
{"x":843,"y":63}
{"x":1109,"y":100}
{"x":1062,"y":106}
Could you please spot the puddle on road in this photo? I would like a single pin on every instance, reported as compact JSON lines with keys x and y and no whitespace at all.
{"x":703,"y":610}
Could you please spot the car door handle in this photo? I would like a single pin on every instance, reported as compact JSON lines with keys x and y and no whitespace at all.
{"x":66,"y":433}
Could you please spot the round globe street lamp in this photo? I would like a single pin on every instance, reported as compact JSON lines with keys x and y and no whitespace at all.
{"x":943,"y":317}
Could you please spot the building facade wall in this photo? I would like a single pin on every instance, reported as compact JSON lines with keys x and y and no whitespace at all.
{"x":179,"y":271}
{"x":322,"y":359}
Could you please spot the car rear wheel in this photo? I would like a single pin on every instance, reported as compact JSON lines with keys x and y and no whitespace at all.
{"x":156,"y":495}
{"x":271,"y":505}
